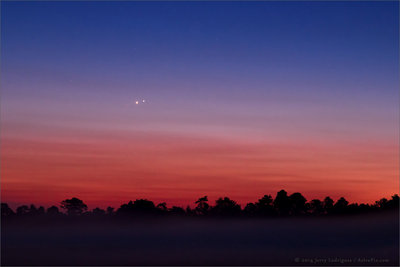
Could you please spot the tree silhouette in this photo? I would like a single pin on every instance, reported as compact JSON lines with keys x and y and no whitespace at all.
{"x":226,"y":207}
{"x":162,"y":207}
{"x":6,"y":211}
{"x":110,"y":211}
{"x":52,"y":211}
{"x":381,"y":203}
{"x":264,"y":206}
{"x":282,"y":203}
{"x":384,"y":203}
{"x":202,"y":206}
{"x":142,"y":206}
{"x":328,"y":204}
{"x":190,"y":212}
{"x":126,"y":209}
{"x":33,"y":211}
{"x":394,"y":202}
{"x":250,"y":209}
{"x":341,"y":205}
{"x":98,"y":212}
{"x":316,"y":207}
{"x":73,"y":206}
{"x":298,"y":204}
{"x":41,"y":211}
{"x":177,"y":211}
{"x":23,"y":210}
{"x":362,"y":208}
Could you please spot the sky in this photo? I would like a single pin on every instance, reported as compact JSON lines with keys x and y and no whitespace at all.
{"x":242,"y":99}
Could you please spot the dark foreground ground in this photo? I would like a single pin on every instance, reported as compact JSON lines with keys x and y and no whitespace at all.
{"x":351,"y":240}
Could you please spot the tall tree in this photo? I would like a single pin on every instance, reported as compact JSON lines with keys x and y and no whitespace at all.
{"x":282,"y":203}
{"x":298,"y":204}
{"x":202,"y":207}
{"x":341,"y":205}
{"x":328,"y":204}
{"x":316,"y":207}
{"x":73,"y":206}
{"x":6,"y":210}
{"x":226,"y":207}
{"x":264,"y":206}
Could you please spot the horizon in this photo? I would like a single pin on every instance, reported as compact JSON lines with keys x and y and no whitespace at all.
{"x":192,"y":204}
{"x":241,"y":100}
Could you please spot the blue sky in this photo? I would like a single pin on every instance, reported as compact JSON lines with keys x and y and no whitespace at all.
{"x":321,"y":75}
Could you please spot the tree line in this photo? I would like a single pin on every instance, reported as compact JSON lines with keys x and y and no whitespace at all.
{"x":282,"y":205}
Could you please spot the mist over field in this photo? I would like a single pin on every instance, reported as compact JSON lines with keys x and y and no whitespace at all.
{"x":350,"y":240}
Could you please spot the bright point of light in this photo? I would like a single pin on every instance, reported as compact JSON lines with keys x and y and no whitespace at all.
{"x":137,"y":102}
{"x":143,"y":100}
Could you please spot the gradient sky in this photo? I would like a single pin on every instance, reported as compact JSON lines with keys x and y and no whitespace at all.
{"x":243,"y":99}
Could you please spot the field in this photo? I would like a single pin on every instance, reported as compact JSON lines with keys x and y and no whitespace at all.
{"x":351,"y":240}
